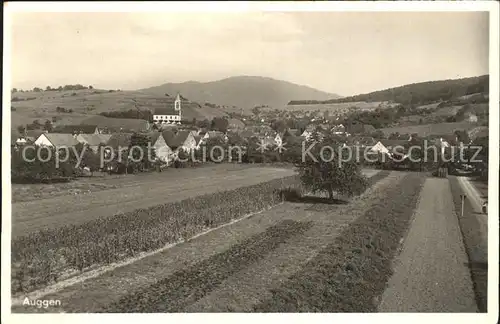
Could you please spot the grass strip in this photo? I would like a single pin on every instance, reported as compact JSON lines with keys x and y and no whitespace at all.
{"x":350,"y":274}
{"x":469,"y":226}
{"x":43,"y":257}
{"x":185,"y":287}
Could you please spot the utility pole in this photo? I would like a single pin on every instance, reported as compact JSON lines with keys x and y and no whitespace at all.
{"x":462,"y":197}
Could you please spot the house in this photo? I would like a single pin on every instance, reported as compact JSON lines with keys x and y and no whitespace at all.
{"x":77,"y":129}
{"x":389,"y":146}
{"x":171,"y":114}
{"x":235,"y":124}
{"x":214,"y":134}
{"x":362,"y":141}
{"x":306,"y":134}
{"x":28,"y":137}
{"x":56,"y":140}
{"x":162,"y":151}
{"x":93,"y":140}
{"x":338,"y":129}
{"x":182,"y":140}
{"x":109,"y":125}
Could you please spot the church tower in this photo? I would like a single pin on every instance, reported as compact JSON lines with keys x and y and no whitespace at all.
{"x":177,"y":106}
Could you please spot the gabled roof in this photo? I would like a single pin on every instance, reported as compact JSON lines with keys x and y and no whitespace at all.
{"x":61,"y":140}
{"x":75,"y":129}
{"x":95,"y":139}
{"x":153,"y":136}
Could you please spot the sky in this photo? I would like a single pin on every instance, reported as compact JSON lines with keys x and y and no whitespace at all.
{"x":346,"y":53}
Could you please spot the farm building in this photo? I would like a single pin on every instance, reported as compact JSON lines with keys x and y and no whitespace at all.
{"x":93,"y":140}
{"x":56,"y":140}
{"x":77,"y":129}
{"x":184,"y":140}
{"x":115,"y":125}
{"x":388,"y":146}
{"x":171,"y":114}
{"x":162,"y":151}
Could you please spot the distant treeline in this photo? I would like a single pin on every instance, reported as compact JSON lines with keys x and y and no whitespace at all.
{"x":416,"y":93}
{"x":60,"y":88}
{"x":130,"y":114}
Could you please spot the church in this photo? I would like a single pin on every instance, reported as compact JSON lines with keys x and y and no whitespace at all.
{"x":170,"y":114}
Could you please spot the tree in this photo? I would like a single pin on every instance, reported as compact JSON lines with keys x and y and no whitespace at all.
{"x":48,"y":126}
{"x":21,"y":129}
{"x":256,"y":111}
{"x":48,"y":88}
{"x":91,"y":87}
{"x":378,"y":134}
{"x":36,"y":123}
{"x":37,"y":89}
{"x":326,"y":173}
{"x":203,"y":123}
{"x":220,"y":124}
{"x":14,"y":90}
{"x":279,"y":125}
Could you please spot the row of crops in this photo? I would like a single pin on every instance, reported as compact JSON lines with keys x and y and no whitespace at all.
{"x":45,"y":257}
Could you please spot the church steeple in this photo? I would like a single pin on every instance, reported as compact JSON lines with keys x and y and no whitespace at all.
{"x":177,"y":103}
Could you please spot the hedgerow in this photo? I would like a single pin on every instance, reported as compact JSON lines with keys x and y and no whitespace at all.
{"x":43,"y":257}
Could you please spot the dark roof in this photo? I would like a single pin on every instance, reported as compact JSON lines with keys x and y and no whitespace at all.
{"x":174,"y":140}
{"x":117,"y":124}
{"x":79,"y":129}
{"x":153,"y":136}
{"x":120,"y":140}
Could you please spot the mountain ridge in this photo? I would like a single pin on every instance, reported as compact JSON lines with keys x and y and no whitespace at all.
{"x":243,"y":91}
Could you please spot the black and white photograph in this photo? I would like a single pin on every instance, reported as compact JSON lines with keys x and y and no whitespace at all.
{"x":250,"y":157}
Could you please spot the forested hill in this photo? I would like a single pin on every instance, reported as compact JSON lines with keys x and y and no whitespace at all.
{"x":416,"y":93}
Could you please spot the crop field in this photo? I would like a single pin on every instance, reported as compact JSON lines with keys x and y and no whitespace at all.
{"x":141,"y":192}
{"x":430,"y":129}
{"x":268,"y":261}
{"x":338,"y":107}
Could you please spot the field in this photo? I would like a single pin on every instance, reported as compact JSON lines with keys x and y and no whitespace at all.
{"x":430,"y":129}
{"x":338,"y":108}
{"x":303,"y":255}
{"x":134,"y":192}
{"x":86,"y":103}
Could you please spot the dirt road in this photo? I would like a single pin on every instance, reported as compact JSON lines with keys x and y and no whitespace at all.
{"x":431,"y":273}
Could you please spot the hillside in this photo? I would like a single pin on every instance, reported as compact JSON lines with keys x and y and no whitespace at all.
{"x":28,"y":106}
{"x":416,"y":93}
{"x":242,"y":92}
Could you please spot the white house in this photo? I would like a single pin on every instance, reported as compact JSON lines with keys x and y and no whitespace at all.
{"x":307,"y":134}
{"x":170,"y":114}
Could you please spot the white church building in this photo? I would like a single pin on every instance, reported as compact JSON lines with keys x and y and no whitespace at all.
{"x":170,"y":114}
